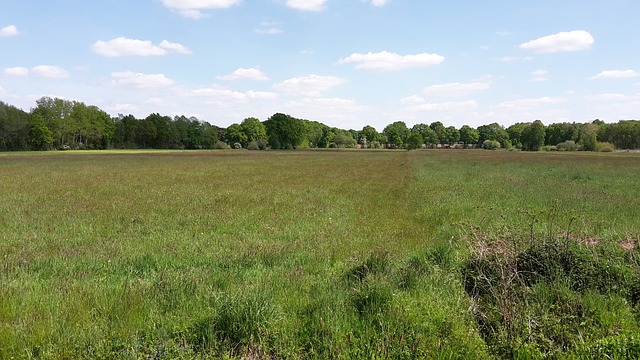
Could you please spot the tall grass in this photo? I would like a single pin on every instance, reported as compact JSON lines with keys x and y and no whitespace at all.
{"x":308,"y":254}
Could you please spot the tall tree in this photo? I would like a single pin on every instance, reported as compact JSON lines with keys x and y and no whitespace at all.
{"x":253,"y":129}
{"x":39,"y":134}
{"x":533,"y":136}
{"x":397,"y":134}
{"x":469,"y":135}
{"x":284,"y":131}
{"x":440,"y":130}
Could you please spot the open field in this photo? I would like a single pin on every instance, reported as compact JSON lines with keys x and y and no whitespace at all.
{"x":295,"y":254}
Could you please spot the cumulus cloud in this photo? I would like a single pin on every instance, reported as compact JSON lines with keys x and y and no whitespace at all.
{"x":122,"y":46}
{"x":307,"y":5}
{"x":467,"y":105}
{"x":140,"y":81}
{"x":563,"y":41}
{"x":388,"y":61}
{"x":17,"y":71}
{"x":379,"y":3}
{"x":249,"y":74}
{"x":540,"y":75}
{"x":412,"y":100}
{"x":175,"y":47}
{"x":311,"y":85}
{"x":269,"y":28}
{"x":51,"y":71}
{"x":529,"y":103}
{"x":514,"y":58}
{"x":616,"y":74}
{"x":224,"y":96}
{"x":456,"y":88}
{"x":606,"y":97}
{"x":7,"y":31}
{"x":193,"y":8}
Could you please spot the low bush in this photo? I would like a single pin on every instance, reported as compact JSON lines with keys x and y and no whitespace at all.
{"x":568,"y":145}
{"x":491,"y":145}
{"x":219,"y":145}
{"x":604,"y":147}
{"x":549,"y":148}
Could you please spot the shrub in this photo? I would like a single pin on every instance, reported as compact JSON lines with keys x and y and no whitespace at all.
{"x":237,"y":145}
{"x":549,"y":148}
{"x":491,"y":145}
{"x":253,"y":146}
{"x":604,"y":147}
{"x":568,"y":145}
{"x":262,"y":144}
{"x":220,"y":145}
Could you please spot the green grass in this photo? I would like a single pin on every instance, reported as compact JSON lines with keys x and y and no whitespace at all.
{"x":295,"y":254}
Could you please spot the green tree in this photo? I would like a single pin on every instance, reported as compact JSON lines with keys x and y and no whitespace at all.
{"x":428,"y":135}
{"x":414,"y":141}
{"x":285,"y":132}
{"x":469,"y":135}
{"x":533,"y":136}
{"x":453,"y":135}
{"x":253,"y":129}
{"x":441,"y":132}
{"x":397,"y":134}
{"x":14,"y":128}
{"x":493,"y":131}
{"x":234,"y":134}
{"x":39,"y":134}
{"x":588,"y":136}
{"x":370,"y":134}
{"x":515,"y":133}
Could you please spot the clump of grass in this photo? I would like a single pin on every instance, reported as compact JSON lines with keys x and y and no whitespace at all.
{"x":546,"y":294}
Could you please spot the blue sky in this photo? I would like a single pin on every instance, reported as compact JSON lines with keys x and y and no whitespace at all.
{"x":346,"y":63}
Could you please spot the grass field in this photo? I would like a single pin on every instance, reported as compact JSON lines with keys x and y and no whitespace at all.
{"x":303,"y":254}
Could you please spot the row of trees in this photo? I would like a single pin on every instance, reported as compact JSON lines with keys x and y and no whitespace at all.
{"x":62,"y":124}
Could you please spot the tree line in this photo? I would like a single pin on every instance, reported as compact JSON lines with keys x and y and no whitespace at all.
{"x":63,"y":124}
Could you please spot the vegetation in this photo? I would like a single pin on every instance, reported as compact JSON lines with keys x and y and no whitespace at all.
{"x":63,"y":124}
{"x":317,"y":254}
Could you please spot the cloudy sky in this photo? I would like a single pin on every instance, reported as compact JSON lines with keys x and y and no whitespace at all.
{"x":346,"y":63}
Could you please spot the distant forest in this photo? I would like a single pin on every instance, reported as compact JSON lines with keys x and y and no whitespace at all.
{"x":58,"y":124}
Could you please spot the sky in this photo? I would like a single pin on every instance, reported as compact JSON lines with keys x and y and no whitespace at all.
{"x":345,"y":63}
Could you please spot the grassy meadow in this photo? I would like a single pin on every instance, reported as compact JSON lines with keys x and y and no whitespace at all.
{"x":319,"y":254}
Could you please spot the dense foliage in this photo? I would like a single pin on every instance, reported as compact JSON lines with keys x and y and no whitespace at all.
{"x":62,"y":124}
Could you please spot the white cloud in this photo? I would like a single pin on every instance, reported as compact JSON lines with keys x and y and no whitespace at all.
{"x":606,"y":97}
{"x":387,"y":61}
{"x":529,"y":103}
{"x":269,"y":28}
{"x":616,"y":74}
{"x":540,"y":75}
{"x":307,"y":5}
{"x":458,"y":106}
{"x":7,"y":31}
{"x":51,"y":71}
{"x":241,"y":73}
{"x":379,"y":3}
{"x":563,"y":41}
{"x":223,"y":96}
{"x":411,"y":100}
{"x":514,"y":58}
{"x":311,"y":85}
{"x":192,"y":8}
{"x":140,"y":81}
{"x":179,"y":48}
{"x":17,"y":71}
{"x":456,"y":88}
{"x":338,"y":112}
{"x":122,"y":46}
